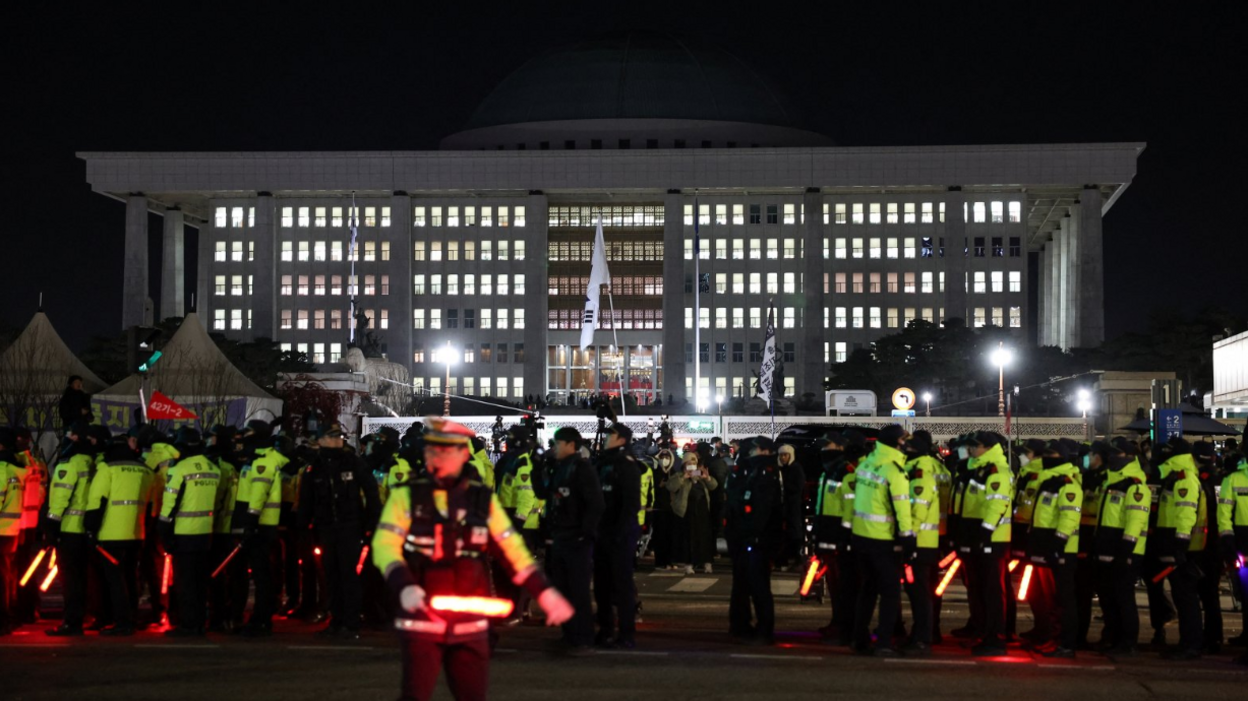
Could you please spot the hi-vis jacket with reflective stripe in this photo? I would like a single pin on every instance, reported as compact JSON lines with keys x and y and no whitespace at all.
{"x":121,"y":489}
{"x":1123,"y":516}
{"x":12,"y":495}
{"x":1058,"y":505}
{"x":528,"y":506}
{"x":160,"y":457}
{"x":1233,"y":505}
{"x":259,"y":498}
{"x":988,"y":502}
{"x":925,"y":504}
{"x":882,"y":496}
{"x":223,"y":520}
{"x":192,"y":494}
{"x":71,"y":483}
{"x":1180,"y":500}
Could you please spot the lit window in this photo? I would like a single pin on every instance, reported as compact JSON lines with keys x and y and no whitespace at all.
{"x":790,"y":214}
{"x":487,"y":250}
{"x":236,"y":251}
{"x":287,"y":319}
{"x":998,"y":212}
{"x":318,"y":250}
{"x":839,"y":251}
{"x":435,"y":318}
{"x":979,"y":318}
{"x":435,"y":250}
{"x":925,"y":283}
{"x":721,"y":214}
{"x":874,"y":213}
{"x":517,"y":250}
{"x":756,"y":317}
{"x":518,"y":219}
{"x":435,"y":216}
{"x":927,"y":213}
{"x":288,"y":285}
{"x":908,"y":248}
{"x":318,"y":319}
{"x":302,"y":322}
{"x":859,"y":217}
{"x":470,"y":215}
{"x":738,"y":214}
{"x":840,"y":284}
{"x":418,"y":216}
{"x":288,"y":216}
{"x":998,"y":281}
{"x":370,"y":251}
{"x":1016,"y":212}
{"x":502,"y":319}
{"x":790,"y":283}
{"x":502,"y":249}
{"x":1016,"y":281}
{"x":435,"y":284}
{"x":874,"y":248}
{"x":998,"y":317}
{"x":840,"y":213}
{"x":219,"y":287}
{"x":738,"y":283}
{"x":487,"y":284}
{"x":452,"y":216}
{"x":335,"y":215}
{"x":218,"y":319}
{"x":789,"y":318}
{"x":319,"y":219}
{"x":892,"y":318}
{"x":907,"y":216}
{"x":335,"y":284}
{"x":756,"y":252}
{"x":857,"y":248}
{"x":418,"y":319}
{"x":220,"y":220}
{"x":500,"y":285}
{"x":874,"y":283}
{"x":857,"y":315}
{"x":236,"y":217}
{"x":738,"y":249}
{"x":773,"y":249}
{"x":981,"y":284}
{"x":1016,"y":317}
{"x":756,"y":283}
{"x":517,"y":284}
{"x":892,"y":213}
{"x":504,"y":219}
{"x":385,"y":222}
{"x":305,"y":217}
{"x":890,"y":246}
{"x":979,"y":212}
{"x":841,"y":352}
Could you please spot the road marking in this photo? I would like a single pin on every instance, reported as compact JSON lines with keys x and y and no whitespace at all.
{"x":330,"y":647}
{"x":777,"y":657}
{"x":695,"y":585}
{"x":784,"y":587}
{"x":649,"y":653}
{"x":176,"y":646}
{"x":900,"y":660}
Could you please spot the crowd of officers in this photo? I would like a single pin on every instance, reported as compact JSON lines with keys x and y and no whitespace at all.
{"x":1054,"y":523}
{"x":200,"y":519}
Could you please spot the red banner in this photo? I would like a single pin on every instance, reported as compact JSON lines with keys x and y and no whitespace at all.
{"x":162,"y":407}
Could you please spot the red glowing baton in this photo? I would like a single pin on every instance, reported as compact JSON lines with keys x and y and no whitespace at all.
{"x":1163,"y":574}
{"x":34,"y":565}
{"x":812,"y":573}
{"x":480,"y":605}
{"x":1025,"y":584}
{"x":47,"y":581}
{"x":226,"y":561}
{"x":359,"y":566}
{"x":166,"y":577}
{"x":948,"y":560}
{"x":107,"y":555}
{"x":1014,"y":565}
{"x":940,"y":588}
{"x":909,"y":575}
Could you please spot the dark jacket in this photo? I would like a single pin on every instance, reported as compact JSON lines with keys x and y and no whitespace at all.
{"x":574,"y":501}
{"x":620,"y":477}
{"x":75,"y":405}
{"x":331,"y":490}
{"x":755,"y":508}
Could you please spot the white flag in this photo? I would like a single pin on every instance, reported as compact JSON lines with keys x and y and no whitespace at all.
{"x":598,"y":276}
{"x":766,"y":374}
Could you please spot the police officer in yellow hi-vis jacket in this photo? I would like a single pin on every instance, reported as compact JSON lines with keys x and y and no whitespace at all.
{"x":67,"y":503}
{"x":193,"y":493}
{"x":430,"y":544}
{"x":116,"y":515}
{"x":987,"y":509}
{"x":883,"y":538}
{"x":1178,"y":512}
{"x":1233,"y":528}
{"x":12,"y":491}
{"x":1054,"y":549}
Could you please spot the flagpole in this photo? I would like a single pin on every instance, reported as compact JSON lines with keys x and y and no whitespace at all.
{"x":352,"y":225}
{"x":616,"y":337}
{"x":771,"y":396}
{"x":697,"y":306}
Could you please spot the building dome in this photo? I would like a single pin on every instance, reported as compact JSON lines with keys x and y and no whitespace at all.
{"x":638,"y":85}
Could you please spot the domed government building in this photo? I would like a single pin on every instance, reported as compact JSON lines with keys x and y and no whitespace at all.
{"x":483,"y":247}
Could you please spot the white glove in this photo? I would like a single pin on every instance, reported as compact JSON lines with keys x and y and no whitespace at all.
{"x":412,"y":598}
{"x":558,"y":610}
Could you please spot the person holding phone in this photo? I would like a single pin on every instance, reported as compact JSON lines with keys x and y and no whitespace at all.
{"x":691,"y":490}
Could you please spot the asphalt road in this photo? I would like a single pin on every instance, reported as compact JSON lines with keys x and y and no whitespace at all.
{"x":682,"y":653}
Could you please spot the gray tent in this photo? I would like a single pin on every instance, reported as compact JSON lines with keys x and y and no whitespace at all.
{"x":1195,"y":423}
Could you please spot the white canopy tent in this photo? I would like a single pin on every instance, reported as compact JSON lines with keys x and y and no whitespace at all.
{"x":193,"y":372}
{"x":34,"y":372}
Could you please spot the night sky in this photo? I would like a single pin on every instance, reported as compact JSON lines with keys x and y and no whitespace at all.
{"x":117,"y":78}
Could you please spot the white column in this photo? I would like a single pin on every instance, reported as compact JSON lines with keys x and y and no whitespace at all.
{"x":173,"y":266}
{"x":134,"y":296}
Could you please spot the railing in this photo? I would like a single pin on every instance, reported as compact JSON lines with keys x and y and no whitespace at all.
{"x":729,"y":428}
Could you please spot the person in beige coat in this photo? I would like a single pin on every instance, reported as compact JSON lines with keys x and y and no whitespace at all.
{"x":691,"y":500}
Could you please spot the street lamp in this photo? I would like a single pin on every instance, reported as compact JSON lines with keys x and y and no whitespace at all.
{"x":446,"y":389}
{"x":1085,"y":405}
{"x":927,"y":397}
{"x":1001,"y":357}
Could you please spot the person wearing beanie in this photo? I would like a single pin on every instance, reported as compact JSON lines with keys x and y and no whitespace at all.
{"x":1054,"y":550}
{"x":986,"y":522}
{"x":1120,"y":539}
{"x":193,"y":494}
{"x":754,"y":530}
{"x":883,"y":538}
{"x":1178,"y":520}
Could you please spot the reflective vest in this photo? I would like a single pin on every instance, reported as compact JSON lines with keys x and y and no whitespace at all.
{"x":35,"y":490}
{"x":122,"y":489}
{"x":647,"y":491}
{"x":223,"y":521}
{"x":1233,"y":505}
{"x":882,"y":496}
{"x":988,"y":500}
{"x":160,"y":457}
{"x":1055,"y":516}
{"x":259,"y":496}
{"x":1027,"y":483}
{"x":528,"y":507}
{"x":925,"y":500}
{"x":436,"y":537}
{"x":192,"y":495}
{"x":12,"y":497}
{"x":481,"y":460}
{"x":1181,"y":495}
{"x":1123,"y":512}
{"x":71,"y":483}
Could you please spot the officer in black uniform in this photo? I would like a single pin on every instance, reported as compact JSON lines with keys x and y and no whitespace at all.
{"x":574,"y":506}
{"x":754,"y":530}
{"x":614,"y":591}
{"x":338,"y":500}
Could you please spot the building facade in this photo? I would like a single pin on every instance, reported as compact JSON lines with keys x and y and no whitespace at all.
{"x":479,"y":252}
